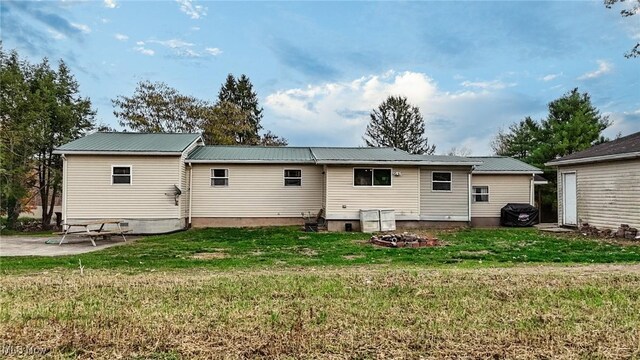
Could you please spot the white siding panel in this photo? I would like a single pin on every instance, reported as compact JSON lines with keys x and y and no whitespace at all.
{"x":439,"y":204}
{"x":184,"y":181}
{"x":91,"y":194}
{"x":503,"y":189}
{"x":256,"y":191}
{"x":608,"y":193}
{"x":344,"y":200}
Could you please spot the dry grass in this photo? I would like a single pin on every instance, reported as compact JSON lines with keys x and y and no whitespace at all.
{"x":353,"y":312}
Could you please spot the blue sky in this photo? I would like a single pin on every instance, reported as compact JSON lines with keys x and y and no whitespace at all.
{"x":320,"y":67}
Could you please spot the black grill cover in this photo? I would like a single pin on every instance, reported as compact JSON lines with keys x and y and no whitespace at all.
{"x":518,"y":215}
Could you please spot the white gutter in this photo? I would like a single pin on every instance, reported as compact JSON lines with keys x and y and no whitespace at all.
{"x":64,"y":190}
{"x":559,"y":162}
{"x":141,"y":153}
{"x":191,"y":161}
{"x":190,"y":191}
{"x":531,"y":190}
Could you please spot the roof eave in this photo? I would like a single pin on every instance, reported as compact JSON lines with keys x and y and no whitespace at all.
{"x":213,"y":161}
{"x":592,"y":159}
{"x":395,"y":162}
{"x":98,"y":152}
{"x":511,"y":172}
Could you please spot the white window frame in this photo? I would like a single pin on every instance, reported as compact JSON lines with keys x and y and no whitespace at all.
{"x":373,"y":169}
{"x":130,"y":175}
{"x":211,"y":177}
{"x":285,"y":177}
{"x":473,"y":194}
{"x":450,"y":182}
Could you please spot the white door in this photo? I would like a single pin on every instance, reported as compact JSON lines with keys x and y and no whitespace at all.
{"x":569,"y":204}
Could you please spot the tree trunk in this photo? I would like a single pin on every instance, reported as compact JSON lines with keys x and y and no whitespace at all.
{"x":13,"y":212}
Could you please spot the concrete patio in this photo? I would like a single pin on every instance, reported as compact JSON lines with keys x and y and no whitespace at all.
{"x":37,"y":246}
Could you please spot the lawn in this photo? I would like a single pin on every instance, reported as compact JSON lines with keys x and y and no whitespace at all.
{"x":288,"y":247}
{"x":281,"y":293}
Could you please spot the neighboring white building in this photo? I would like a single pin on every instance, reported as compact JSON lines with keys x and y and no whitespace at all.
{"x":601,"y":185}
{"x":165,"y":182}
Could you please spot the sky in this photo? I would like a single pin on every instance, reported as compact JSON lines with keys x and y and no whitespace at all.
{"x":319,"y":68}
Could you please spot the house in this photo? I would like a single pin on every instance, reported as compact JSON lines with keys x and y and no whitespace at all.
{"x":600,"y":185}
{"x":165,"y":182}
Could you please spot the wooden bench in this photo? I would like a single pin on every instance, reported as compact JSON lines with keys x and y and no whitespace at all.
{"x":94,"y":234}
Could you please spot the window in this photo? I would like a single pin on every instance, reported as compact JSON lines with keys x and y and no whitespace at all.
{"x":121,"y":174}
{"x":219,"y":177}
{"x":441,"y":181}
{"x":480,"y":194}
{"x":292,"y":177}
{"x":371,"y":177}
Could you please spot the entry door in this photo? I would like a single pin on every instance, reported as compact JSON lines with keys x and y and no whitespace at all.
{"x":569,"y":204}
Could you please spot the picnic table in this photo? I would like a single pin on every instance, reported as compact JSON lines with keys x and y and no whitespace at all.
{"x":89,"y":229}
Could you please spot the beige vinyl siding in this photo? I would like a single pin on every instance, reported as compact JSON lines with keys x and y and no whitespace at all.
{"x":503,"y":189}
{"x":256,"y":191}
{"x":402,"y":195}
{"x":91,"y":195}
{"x":608,"y":193}
{"x":184,"y":181}
{"x":445,"y":205}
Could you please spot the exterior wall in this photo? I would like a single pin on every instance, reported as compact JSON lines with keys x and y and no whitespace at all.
{"x":255,"y":191}
{"x":184,"y":181}
{"x":608,"y":193}
{"x":90,"y":194}
{"x":245,"y":221}
{"x":445,"y":205}
{"x":344,"y":200}
{"x":339,"y":225}
{"x":503,"y":189}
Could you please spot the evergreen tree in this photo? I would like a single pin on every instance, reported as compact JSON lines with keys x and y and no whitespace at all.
{"x":240,"y":92}
{"x":519,"y":141}
{"x":396,"y":123}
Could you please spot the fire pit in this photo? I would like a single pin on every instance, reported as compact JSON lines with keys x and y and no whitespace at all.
{"x":403,"y":240}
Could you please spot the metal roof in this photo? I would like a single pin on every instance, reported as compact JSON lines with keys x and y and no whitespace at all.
{"x":503,"y":164}
{"x":320,"y":155}
{"x":258,"y":154}
{"x":618,"y":149}
{"x":124,"y":142}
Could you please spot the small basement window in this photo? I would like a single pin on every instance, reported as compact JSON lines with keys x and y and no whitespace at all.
{"x":480,"y":194}
{"x":441,"y":181}
{"x":121,"y":174}
{"x":292,"y":177}
{"x":371,"y":177}
{"x":219,"y":177}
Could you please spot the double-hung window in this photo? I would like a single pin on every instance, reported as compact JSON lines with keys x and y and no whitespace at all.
{"x":480,"y":194}
{"x":292,"y":177}
{"x":440,"y":181}
{"x":371,"y":177}
{"x":219,"y":177}
{"x":121,"y":174}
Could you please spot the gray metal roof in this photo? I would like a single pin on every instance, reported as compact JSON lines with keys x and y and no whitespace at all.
{"x":320,"y":155}
{"x":124,"y":142}
{"x":251,"y":154}
{"x":503,"y":164}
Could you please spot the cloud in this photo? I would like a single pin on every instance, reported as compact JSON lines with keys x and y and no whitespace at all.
{"x":623,"y":123}
{"x":604,"y":67}
{"x":493,"y":84}
{"x":550,"y":77}
{"x":172,"y":43}
{"x":121,"y":37}
{"x":144,"y":51}
{"x":213,"y":51}
{"x":337,"y":113}
{"x":111,"y":4}
{"x":56,"y":35}
{"x":194,"y":11}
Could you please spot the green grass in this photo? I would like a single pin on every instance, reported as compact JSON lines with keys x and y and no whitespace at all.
{"x":288,"y":247}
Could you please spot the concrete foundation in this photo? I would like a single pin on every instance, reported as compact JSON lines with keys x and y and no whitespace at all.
{"x":485,"y":221}
{"x":201,"y":222}
{"x":139,"y":226}
{"x":339,"y":225}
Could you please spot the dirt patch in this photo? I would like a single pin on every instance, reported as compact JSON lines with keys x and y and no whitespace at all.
{"x":209,"y":256}
{"x":257,"y":253}
{"x":352,"y":257}
{"x":475,"y":253}
{"x":308,"y":252}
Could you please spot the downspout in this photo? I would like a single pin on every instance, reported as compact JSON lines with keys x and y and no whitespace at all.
{"x":469,"y":196}
{"x":531,"y":190}
{"x":64,"y":189}
{"x":190,"y":191}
